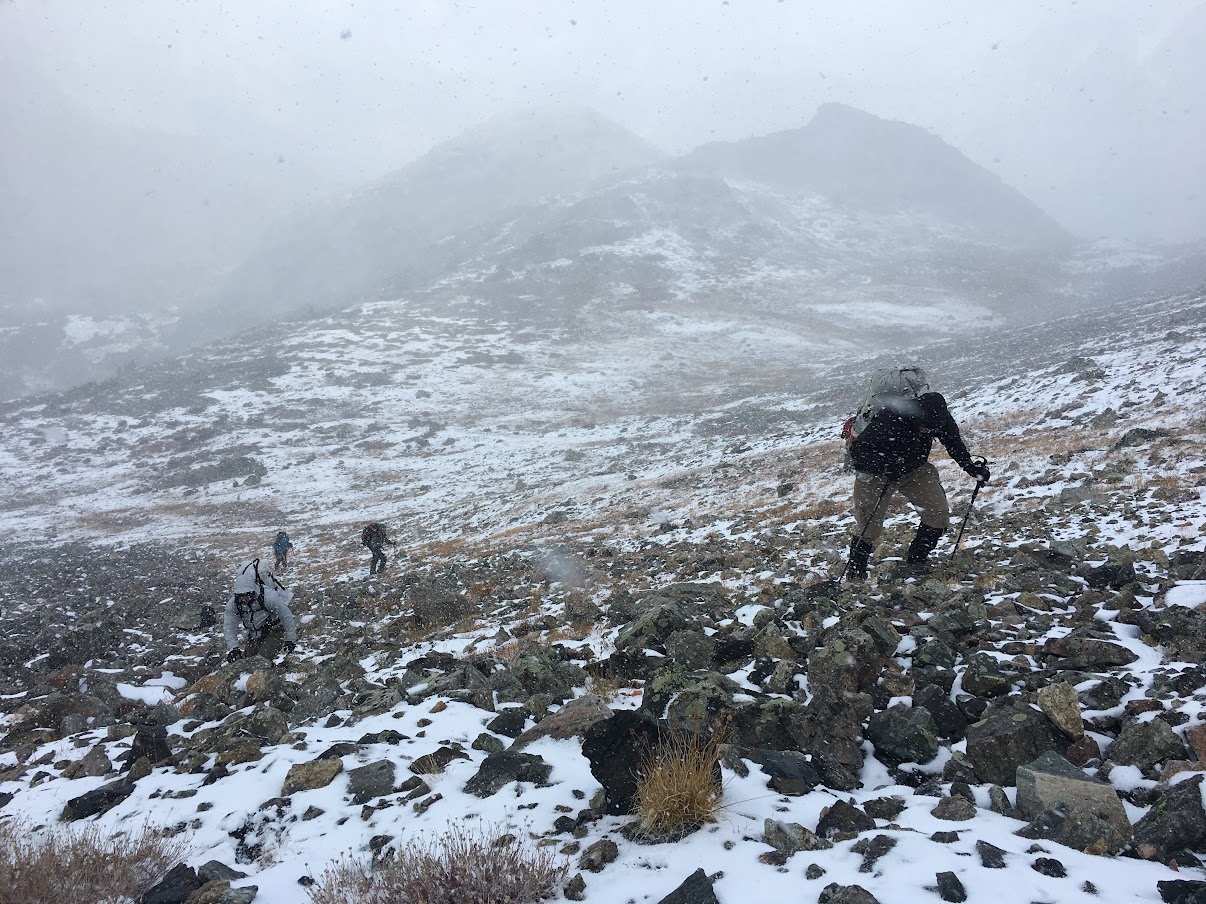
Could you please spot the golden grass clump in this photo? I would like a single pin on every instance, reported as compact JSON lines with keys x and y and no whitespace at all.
{"x":678,"y":783}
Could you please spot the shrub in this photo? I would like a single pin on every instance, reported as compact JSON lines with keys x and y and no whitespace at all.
{"x":678,"y":783}
{"x":463,"y":866}
{"x":81,"y":866}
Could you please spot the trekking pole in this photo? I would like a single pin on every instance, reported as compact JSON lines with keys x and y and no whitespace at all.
{"x":863,"y":533}
{"x":967,"y":514}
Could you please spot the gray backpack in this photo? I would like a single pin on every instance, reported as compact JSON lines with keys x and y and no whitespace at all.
{"x":897,"y":388}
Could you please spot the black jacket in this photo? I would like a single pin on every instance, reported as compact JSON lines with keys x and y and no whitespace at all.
{"x":899,"y":438}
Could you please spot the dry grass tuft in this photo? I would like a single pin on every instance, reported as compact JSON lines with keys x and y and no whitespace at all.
{"x":678,"y":785}
{"x":463,"y":866}
{"x":81,"y":866}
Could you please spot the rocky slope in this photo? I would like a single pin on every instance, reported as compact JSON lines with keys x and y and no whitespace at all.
{"x":1035,"y":704}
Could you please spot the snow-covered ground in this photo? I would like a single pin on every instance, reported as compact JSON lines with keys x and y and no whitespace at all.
{"x":467,"y":436}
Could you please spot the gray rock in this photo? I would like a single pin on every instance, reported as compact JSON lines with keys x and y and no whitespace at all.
{"x":950,"y":888}
{"x":844,"y":818}
{"x":788,"y":772}
{"x":791,"y":837}
{"x":848,"y":661}
{"x":845,"y":894}
{"x":374,"y":780}
{"x":984,"y":678}
{"x":1051,"y":781}
{"x":954,"y":809}
{"x":571,"y":721}
{"x":180,"y":882}
{"x":653,"y":627}
{"x":1008,"y":737}
{"x":1176,"y":821}
{"x":598,"y":855}
{"x":500,"y":769}
{"x":991,"y":856}
{"x":98,"y":800}
{"x":437,"y":761}
{"x":309,"y":776}
{"x":1144,"y":744}
{"x":1081,"y":830}
{"x":696,"y":889}
{"x":903,"y":734}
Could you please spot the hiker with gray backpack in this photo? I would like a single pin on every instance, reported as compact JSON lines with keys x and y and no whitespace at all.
{"x":888,"y":444}
{"x":259,"y":603}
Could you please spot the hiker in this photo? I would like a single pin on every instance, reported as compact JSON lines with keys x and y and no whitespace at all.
{"x":375,"y":538}
{"x":889,"y":443}
{"x":280,"y":547}
{"x":260,"y":604}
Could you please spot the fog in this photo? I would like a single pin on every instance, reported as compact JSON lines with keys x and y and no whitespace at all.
{"x":147,"y":143}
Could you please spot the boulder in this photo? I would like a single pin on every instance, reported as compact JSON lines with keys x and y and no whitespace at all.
{"x":1144,"y":744}
{"x":1083,"y":652}
{"x":98,"y":800}
{"x":571,"y":721}
{"x":1079,"y":829}
{"x":1060,"y":704}
{"x":948,"y":719}
{"x":845,"y":819}
{"x":788,"y":838}
{"x":615,"y":748}
{"x":175,"y":888}
{"x":373,"y":780}
{"x":831,"y":726}
{"x":1009,"y":736}
{"x":1175,"y":822}
{"x":1051,"y":781}
{"x":849,"y":661}
{"x":903,"y":734}
{"x":845,"y":894}
{"x":436,"y":762}
{"x":696,"y":889}
{"x":984,"y":678}
{"x":310,"y":776}
{"x":500,"y":769}
{"x":788,"y":772}
{"x":509,"y":722}
{"x":598,"y":855}
{"x":652,"y":628}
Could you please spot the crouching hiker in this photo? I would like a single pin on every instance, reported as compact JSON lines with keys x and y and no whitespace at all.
{"x":375,"y":538}
{"x":889,"y":443}
{"x":259,"y":604}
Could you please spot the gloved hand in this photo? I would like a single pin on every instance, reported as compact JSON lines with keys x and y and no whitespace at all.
{"x":234,"y":654}
{"x":979,"y":470}
{"x":288,"y":647}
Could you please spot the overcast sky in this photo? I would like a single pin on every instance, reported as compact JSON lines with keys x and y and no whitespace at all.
{"x":1092,"y":109}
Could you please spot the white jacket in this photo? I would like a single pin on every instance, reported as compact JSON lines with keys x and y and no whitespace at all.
{"x":276,"y":603}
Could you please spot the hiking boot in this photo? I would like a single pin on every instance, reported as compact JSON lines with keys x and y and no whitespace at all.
{"x":923,"y":544}
{"x":856,"y":564}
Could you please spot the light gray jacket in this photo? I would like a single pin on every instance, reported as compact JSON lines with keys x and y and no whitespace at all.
{"x":276,"y":602}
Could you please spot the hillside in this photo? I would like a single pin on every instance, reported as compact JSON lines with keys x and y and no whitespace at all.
{"x":589,"y":545}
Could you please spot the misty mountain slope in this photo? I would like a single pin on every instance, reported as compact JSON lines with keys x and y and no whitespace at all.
{"x":858,"y":160}
{"x":455,"y":429}
{"x":389,"y":233}
{"x":643,"y":564}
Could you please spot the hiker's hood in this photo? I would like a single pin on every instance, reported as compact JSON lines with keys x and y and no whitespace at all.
{"x":245,"y":580}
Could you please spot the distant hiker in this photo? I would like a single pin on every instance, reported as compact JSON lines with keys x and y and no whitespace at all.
{"x":889,"y":443}
{"x":375,"y":538}
{"x":281,"y":547}
{"x":260,"y":604}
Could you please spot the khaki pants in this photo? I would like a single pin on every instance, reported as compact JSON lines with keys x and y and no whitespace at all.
{"x":921,"y":487}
